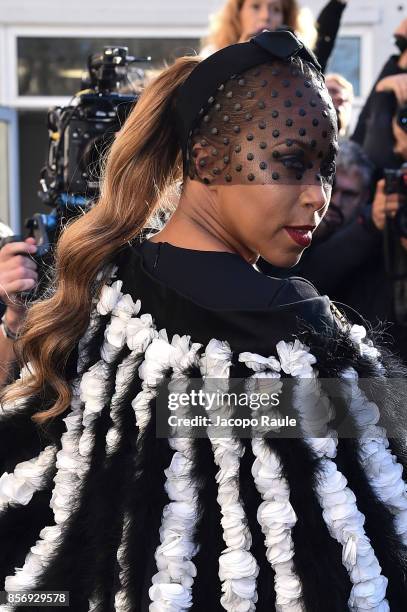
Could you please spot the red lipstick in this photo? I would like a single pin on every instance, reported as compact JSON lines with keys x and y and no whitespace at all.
{"x":301,"y":234}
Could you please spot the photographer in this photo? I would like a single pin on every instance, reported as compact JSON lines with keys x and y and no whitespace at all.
{"x":374,"y":129}
{"x":17,"y":273}
{"x":341,"y":92}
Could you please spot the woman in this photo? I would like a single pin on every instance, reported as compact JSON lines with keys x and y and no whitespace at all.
{"x":238,"y":20}
{"x":127,"y":509}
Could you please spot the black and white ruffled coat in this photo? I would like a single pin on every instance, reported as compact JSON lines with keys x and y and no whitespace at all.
{"x":97,"y":505}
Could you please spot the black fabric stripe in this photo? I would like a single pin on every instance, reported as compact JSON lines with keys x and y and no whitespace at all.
{"x":91,"y":350}
{"x":71,"y":568}
{"x":379,"y":525}
{"x":252,"y":499}
{"x":318,"y":557}
{"x":20,"y":525}
{"x":206,"y":589}
{"x":109,"y":518}
{"x":391,"y":401}
{"x":19,"y":437}
{"x":144,"y":504}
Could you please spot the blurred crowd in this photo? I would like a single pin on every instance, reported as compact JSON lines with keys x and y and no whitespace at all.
{"x":359,"y":253}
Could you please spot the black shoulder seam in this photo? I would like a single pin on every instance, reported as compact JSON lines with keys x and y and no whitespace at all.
{"x":287,"y":282}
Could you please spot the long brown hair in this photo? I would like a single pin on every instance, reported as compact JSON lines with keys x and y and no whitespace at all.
{"x":226,"y":27}
{"x":143,"y":161}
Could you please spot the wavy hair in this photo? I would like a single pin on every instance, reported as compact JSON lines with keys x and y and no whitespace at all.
{"x":226,"y":30}
{"x":143,"y":161}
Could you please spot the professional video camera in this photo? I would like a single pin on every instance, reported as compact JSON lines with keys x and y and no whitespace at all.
{"x":79,"y":135}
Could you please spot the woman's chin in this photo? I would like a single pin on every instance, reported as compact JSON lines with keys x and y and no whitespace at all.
{"x":288,"y":260}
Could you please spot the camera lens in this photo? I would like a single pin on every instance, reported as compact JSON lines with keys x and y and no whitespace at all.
{"x":401,"y":221}
{"x":402,"y":118}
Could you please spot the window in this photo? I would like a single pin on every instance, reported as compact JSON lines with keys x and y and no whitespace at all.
{"x":51,"y":66}
{"x":353,"y":58}
{"x":346,"y":59}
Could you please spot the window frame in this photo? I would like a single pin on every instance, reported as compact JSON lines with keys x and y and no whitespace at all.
{"x":9,"y":96}
{"x":11,"y":214}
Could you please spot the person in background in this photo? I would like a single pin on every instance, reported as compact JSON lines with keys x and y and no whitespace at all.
{"x":239,"y":20}
{"x":17,"y":273}
{"x":341,"y":92}
{"x":374,"y":128}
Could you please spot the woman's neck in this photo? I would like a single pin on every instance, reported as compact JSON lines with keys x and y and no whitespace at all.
{"x":196,"y":224}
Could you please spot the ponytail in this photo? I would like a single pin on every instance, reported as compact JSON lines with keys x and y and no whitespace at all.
{"x":143,"y":161}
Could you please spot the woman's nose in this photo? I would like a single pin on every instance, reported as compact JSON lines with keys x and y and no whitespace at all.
{"x":315,"y":197}
{"x":265,"y":16}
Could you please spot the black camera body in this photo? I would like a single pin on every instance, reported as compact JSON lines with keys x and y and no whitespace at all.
{"x":396,"y":182}
{"x":89,"y":133}
{"x":81,"y":133}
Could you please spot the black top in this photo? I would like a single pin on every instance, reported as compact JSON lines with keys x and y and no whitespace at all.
{"x":220,"y":280}
{"x":219,"y":295}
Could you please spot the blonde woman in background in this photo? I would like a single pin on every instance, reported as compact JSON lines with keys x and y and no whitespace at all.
{"x":238,"y":20}
{"x":342,"y":94}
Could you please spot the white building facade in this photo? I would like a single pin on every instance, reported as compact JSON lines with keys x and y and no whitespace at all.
{"x":44,"y":45}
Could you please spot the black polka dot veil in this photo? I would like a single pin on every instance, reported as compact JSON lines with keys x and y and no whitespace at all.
{"x":272,"y":124}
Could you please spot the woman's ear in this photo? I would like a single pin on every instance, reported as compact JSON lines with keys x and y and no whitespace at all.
{"x":209,"y":161}
{"x":201,"y":160}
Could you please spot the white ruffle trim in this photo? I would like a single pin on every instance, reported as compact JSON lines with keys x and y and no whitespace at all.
{"x":277,"y":518}
{"x":66,"y":481}
{"x":359,"y":336}
{"x":275,"y":514}
{"x":172,"y":584}
{"x":238,"y":569}
{"x":380,"y":465}
{"x":27,"y":478}
{"x":344,"y":520}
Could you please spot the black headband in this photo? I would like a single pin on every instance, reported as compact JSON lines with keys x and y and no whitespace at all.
{"x":211,"y":73}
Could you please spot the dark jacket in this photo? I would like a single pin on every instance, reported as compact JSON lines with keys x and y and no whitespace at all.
{"x":123,"y":515}
{"x":374,"y":128}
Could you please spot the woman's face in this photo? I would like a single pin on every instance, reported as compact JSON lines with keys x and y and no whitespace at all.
{"x":266,"y":151}
{"x":275,"y":221}
{"x":259,"y":15}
